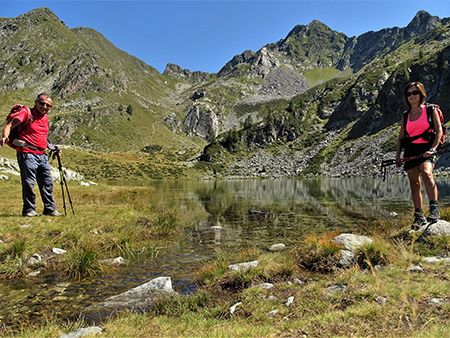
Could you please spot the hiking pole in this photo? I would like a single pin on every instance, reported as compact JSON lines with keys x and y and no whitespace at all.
{"x":63,"y":181}
{"x":386,"y":163}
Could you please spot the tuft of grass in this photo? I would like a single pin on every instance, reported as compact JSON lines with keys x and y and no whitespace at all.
{"x":318,"y":253}
{"x":82,"y":262}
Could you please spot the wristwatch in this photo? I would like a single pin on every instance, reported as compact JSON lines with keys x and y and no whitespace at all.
{"x":432,"y":150}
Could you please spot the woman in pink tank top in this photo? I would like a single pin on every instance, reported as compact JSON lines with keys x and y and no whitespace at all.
{"x":410,"y":138}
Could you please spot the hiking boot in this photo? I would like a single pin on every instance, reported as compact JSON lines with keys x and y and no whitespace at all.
{"x":30,"y":213}
{"x":52,"y":213}
{"x":435,"y":214}
{"x":419,"y":221}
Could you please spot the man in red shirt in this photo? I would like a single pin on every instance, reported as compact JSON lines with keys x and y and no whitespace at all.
{"x":33,"y":161}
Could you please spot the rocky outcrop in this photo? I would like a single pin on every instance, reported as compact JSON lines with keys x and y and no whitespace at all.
{"x":11,"y":167}
{"x":201,"y":121}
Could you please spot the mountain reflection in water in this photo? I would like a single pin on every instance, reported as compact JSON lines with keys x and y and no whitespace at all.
{"x":226,"y":215}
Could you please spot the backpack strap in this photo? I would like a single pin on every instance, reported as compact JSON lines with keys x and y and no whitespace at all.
{"x":430,"y":109}
{"x":405,"y":120}
{"x":28,"y":120}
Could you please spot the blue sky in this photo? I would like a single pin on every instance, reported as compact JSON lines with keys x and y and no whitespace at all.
{"x":205,"y":35}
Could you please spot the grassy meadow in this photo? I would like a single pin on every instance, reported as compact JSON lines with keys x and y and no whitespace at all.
{"x":381,"y":298}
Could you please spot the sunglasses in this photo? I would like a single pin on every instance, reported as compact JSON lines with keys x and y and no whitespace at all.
{"x":43,"y":104}
{"x":414,"y":92}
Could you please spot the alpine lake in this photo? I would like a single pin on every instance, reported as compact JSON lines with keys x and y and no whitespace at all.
{"x":233,"y":215}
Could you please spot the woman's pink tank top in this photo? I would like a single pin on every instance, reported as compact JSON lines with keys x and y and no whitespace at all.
{"x":419,"y":126}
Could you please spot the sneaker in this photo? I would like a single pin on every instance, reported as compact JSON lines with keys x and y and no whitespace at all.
{"x":30,"y":213}
{"x":52,"y":213}
{"x":419,"y":221}
{"x":435,"y":214}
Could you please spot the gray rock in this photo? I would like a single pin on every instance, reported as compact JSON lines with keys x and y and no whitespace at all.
{"x":113,"y":261}
{"x":347,"y":258}
{"x":350,"y":241}
{"x":84,"y":332}
{"x":157,"y":286}
{"x":335,"y":288}
{"x":272,"y":313}
{"x":415,"y":268}
{"x":141,"y":297}
{"x":440,"y":228}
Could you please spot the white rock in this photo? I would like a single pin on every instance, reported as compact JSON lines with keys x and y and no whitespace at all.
{"x":272,"y":313}
{"x":277,"y":247}
{"x":436,"y":300}
{"x":88,"y":331}
{"x":266,"y":286}
{"x":289,"y":301}
{"x":243,"y":266}
{"x":59,"y":251}
{"x":233,"y":308}
{"x":34,"y":273}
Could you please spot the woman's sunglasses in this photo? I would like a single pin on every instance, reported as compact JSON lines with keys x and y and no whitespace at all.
{"x":414,"y":92}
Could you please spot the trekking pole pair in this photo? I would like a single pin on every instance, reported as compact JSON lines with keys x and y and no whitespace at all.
{"x":62,"y":179}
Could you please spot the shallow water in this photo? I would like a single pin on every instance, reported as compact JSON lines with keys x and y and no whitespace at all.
{"x":233,"y":215}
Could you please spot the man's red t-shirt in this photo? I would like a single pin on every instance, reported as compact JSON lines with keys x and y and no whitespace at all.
{"x":36,"y":131}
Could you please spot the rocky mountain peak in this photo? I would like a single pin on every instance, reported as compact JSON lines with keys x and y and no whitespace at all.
{"x":41,"y":12}
{"x":422,"y":23}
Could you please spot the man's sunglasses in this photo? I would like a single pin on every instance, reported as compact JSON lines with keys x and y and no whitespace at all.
{"x":414,"y":92}
{"x":43,"y":104}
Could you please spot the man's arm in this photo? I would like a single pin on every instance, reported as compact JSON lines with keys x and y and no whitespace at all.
{"x":10,"y":125}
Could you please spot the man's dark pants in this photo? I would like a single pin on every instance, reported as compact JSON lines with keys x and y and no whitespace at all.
{"x":35,"y":168}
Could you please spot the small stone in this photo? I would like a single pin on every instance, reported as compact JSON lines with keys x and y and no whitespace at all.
{"x":233,"y":308}
{"x":88,"y":331}
{"x":243,"y":266}
{"x":34,"y":273}
{"x":59,"y":251}
{"x":266,"y":286}
{"x":272,"y":313}
{"x":381,"y":300}
{"x":277,"y":247}
{"x":436,"y":300}
{"x":289,"y":301}
{"x":415,"y":268}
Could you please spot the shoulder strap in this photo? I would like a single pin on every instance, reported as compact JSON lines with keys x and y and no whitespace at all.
{"x":405,"y":120}
{"x":28,"y":120}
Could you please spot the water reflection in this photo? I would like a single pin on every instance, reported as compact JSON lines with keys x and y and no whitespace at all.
{"x":226,"y":215}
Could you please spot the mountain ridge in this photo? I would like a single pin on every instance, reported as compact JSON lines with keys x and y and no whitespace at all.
{"x":312,"y":84}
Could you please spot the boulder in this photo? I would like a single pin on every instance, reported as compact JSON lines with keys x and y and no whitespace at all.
{"x":139,"y":298}
{"x":351,"y":242}
{"x":439,"y":228}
